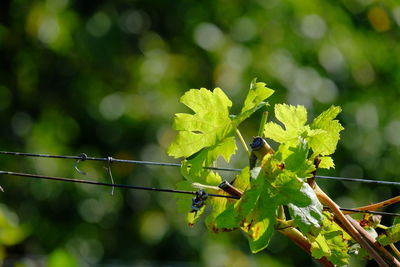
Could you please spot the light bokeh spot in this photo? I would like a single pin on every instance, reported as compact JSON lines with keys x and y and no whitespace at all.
{"x":313,"y":26}
{"x":208,"y":36}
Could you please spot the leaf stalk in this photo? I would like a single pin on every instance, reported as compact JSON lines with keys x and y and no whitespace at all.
{"x":243,"y":142}
{"x":262,"y":123}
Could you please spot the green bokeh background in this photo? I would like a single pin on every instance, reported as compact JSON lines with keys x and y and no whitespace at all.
{"x":105,"y":78}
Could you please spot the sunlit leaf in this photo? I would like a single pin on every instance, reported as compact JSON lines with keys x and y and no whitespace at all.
{"x":280,"y":179}
{"x":325,"y":143}
{"x":332,"y":242}
{"x":326,"y":163}
{"x":256,"y":96}
{"x":319,"y":247}
{"x":209,"y":128}
{"x":230,"y":217}
{"x":391,"y":235}
{"x":293,"y":119}
{"x":308,"y":218}
{"x":258,"y":211}
{"x":298,"y":161}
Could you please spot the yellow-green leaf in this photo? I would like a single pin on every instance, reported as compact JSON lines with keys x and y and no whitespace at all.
{"x":326,"y":163}
{"x":325,"y":143}
{"x":256,"y":96}
{"x":207,"y":127}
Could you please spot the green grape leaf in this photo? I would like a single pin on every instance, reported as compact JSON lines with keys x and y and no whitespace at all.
{"x":255,"y":213}
{"x":258,"y":211}
{"x":263,"y":220}
{"x":303,"y":204}
{"x":229,"y":218}
{"x":255,"y":100}
{"x":322,"y":135}
{"x":339,"y":248}
{"x":391,"y":235}
{"x":332,"y":242}
{"x":325,"y":142}
{"x":293,"y":117}
{"x":251,"y":196}
{"x":307,"y":218}
{"x":209,"y":130}
{"x":219,"y":205}
{"x":192,"y":217}
{"x":326,"y":163}
{"x":294,"y":120}
{"x":298,"y":161}
{"x":202,"y":176}
{"x":242,"y":180}
{"x":319,"y":247}
{"x":224,"y":216}
{"x":286,"y":188}
{"x":207,"y":156}
{"x":283,"y":185}
{"x":271,"y":187}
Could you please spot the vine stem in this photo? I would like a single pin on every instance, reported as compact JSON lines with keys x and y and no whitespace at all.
{"x":360,"y":237}
{"x":382,"y":226}
{"x":378,"y":205}
{"x":262,"y":123}
{"x":396,"y":251}
{"x":390,"y":259}
{"x":243,"y":142}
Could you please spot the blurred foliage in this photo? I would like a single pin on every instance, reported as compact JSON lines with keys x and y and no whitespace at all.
{"x":105,"y":77}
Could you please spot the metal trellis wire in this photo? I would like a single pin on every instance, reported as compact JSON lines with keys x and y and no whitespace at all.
{"x":84,"y":157}
{"x":195,"y":193}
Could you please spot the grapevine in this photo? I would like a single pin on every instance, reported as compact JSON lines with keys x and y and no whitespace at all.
{"x":278,"y":191}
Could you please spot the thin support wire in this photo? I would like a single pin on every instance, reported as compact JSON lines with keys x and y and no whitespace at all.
{"x":142,"y":162}
{"x":369,"y":211}
{"x":166,"y":164}
{"x":53,"y":178}
{"x":344,"y":179}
